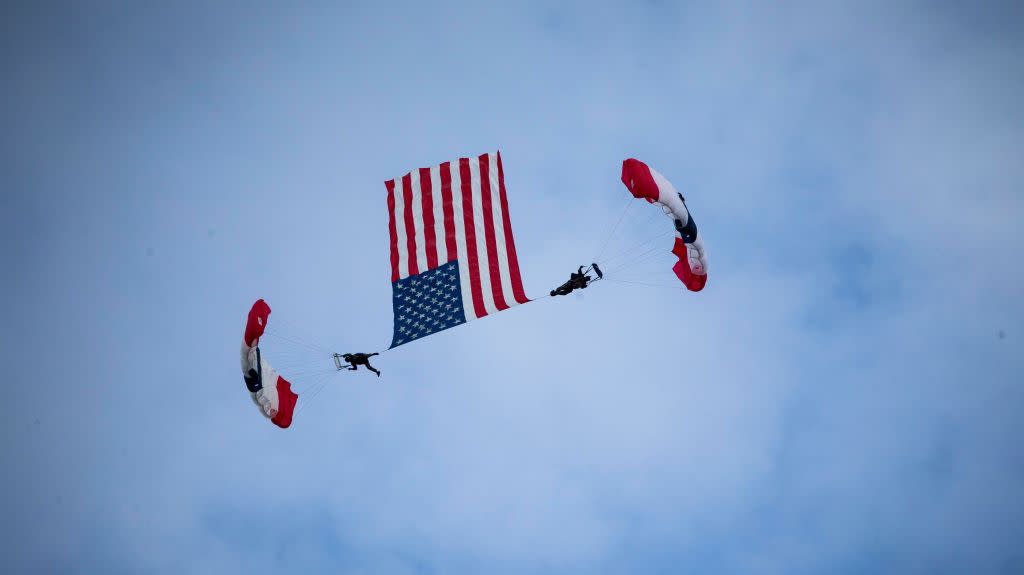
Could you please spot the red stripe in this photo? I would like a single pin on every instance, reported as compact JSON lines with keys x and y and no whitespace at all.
{"x":637,"y":177}
{"x":392,"y":229}
{"x":692,"y":281}
{"x":492,"y":244}
{"x":449,"y":213}
{"x":256,"y":322}
{"x":286,"y":400}
{"x":510,"y":243}
{"x":467,"y":218}
{"x":429,"y":236}
{"x":410,"y":226}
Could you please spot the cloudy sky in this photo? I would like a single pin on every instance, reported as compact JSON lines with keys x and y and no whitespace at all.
{"x":845,"y":396}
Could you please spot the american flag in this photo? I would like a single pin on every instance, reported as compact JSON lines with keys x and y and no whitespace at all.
{"x":453,"y":258}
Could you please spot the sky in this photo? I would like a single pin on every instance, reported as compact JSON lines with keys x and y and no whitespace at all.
{"x":844,"y":396}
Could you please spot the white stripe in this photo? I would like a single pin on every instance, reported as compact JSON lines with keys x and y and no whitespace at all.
{"x":270,"y":387}
{"x":481,"y":237}
{"x":668,"y":195}
{"x":266,"y":398}
{"x":460,"y":242}
{"x":499,"y":233}
{"x":403,"y":251}
{"x":438,"y":200}
{"x":417,"y":222}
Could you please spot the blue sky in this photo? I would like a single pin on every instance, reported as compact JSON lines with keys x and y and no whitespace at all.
{"x":843,"y":397}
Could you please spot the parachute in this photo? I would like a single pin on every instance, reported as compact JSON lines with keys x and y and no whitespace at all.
{"x":645,"y":183}
{"x":269,"y":391}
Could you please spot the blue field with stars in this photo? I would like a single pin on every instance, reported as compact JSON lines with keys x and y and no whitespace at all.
{"x":427,"y":303}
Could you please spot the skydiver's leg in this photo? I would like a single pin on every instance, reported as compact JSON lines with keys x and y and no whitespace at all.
{"x":371,"y":368}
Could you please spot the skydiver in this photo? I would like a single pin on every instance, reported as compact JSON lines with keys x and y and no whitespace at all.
{"x":577,"y":280}
{"x":357,"y":359}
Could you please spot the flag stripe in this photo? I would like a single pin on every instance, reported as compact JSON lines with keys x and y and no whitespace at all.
{"x":416,"y":193}
{"x":458,"y":217}
{"x":400,"y":227}
{"x":499,"y":231}
{"x":445,"y":172}
{"x":410,"y":226}
{"x":479,"y":220}
{"x":510,"y":243}
{"x":492,"y":249}
{"x":391,"y":228}
{"x":471,"y":249}
{"x":430,"y":243}
{"x":437,"y":205}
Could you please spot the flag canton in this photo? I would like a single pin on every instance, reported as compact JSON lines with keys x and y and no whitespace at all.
{"x":427,"y":303}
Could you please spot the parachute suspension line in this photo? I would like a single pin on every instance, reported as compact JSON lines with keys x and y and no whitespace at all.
{"x":294,"y":333}
{"x":312,"y":391}
{"x":627,"y":258}
{"x":643,"y":219}
{"x":296,"y":341}
{"x":291,"y":362}
{"x":304,"y":384}
{"x":629,"y":204}
{"x":637,"y":260}
{"x":631,"y":262}
{"x":666,"y":286}
{"x":295,"y":358}
{"x":295,"y":361}
{"x":617,"y":260}
{"x":308,"y":374}
{"x":646,"y":275}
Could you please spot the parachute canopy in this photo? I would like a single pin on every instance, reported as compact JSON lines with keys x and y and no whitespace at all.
{"x":645,"y":183}
{"x":269,"y":391}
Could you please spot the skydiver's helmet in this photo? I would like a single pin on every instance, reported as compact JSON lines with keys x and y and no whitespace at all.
{"x":347,"y":357}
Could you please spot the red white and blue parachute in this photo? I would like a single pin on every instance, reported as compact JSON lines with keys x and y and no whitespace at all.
{"x":646,"y":183}
{"x":269,"y":391}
